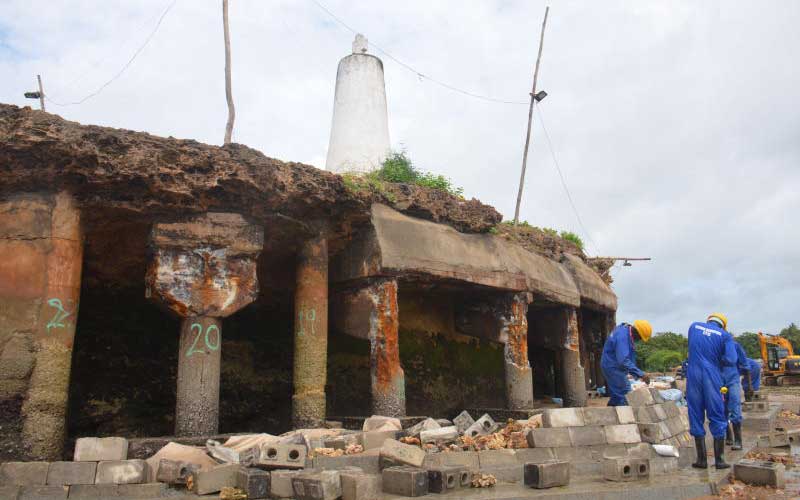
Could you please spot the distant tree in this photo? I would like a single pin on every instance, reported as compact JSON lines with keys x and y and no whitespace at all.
{"x":749,"y":342}
{"x":792,"y":334}
{"x":663,"y":360}
{"x":662,"y":350}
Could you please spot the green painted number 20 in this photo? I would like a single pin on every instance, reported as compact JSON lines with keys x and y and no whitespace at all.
{"x":193,"y":349}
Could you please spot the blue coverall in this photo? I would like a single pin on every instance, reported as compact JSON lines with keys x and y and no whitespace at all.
{"x":731,"y":377}
{"x":709,"y":347}
{"x":619,"y":359}
{"x":755,"y":376}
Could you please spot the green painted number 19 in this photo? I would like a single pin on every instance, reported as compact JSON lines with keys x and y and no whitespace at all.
{"x":211,"y":346}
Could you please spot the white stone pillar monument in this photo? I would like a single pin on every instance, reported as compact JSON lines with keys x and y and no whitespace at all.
{"x":360,"y":127}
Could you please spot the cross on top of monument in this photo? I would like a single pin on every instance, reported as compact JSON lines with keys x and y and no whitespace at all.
{"x":360,"y":44}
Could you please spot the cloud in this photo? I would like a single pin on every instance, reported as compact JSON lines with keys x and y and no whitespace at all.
{"x":675,"y":123}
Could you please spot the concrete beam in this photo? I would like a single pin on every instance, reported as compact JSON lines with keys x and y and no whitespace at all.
{"x":310,"y":334}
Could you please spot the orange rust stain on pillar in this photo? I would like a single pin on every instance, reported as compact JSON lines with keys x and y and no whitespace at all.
{"x":388,"y":378}
{"x":311,"y":334}
{"x":518,"y":333}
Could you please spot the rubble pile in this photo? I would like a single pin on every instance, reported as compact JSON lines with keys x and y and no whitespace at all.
{"x":429,"y":456}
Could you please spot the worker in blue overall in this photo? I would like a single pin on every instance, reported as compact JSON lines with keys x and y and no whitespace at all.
{"x":619,"y":359}
{"x":731,"y":377}
{"x":710,"y":347}
{"x":751,"y":380}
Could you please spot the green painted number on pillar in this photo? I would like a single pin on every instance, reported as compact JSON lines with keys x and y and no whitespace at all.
{"x":57,"y":321}
{"x":211,"y":346}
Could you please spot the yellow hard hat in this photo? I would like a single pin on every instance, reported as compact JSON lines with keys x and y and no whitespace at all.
{"x":719,"y":318}
{"x":644,"y":329}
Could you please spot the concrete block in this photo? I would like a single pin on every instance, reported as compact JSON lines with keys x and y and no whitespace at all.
{"x":640,"y":450}
{"x":463,"y":421}
{"x":605,"y":415}
{"x":93,"y":449}
{"x":375,"y":439}
{"x":587,"y":436}
{"x":401,"y":453}
{"x":793,"y":436}
{"x":369,"y":463}
{"x":254,"y":482}
{"x":23,"y":473}
{"x":406,"y":481}
{"x":121,"y":472}
{"x":444,"y":479}
{"x":377,"y":422}
{"x":506,"y":473}
{"x":640,"y":397}
{"x":281,"y":483}
{"x":663,"y":465}
{"x":481,"y":427}
{"x":360,"y":486}
{"x":755,"y":406}
{"x":774,"y":439}
{"x":643,"y":416}
{"x":426,"y":425}
{"x":9,"y":492}
{"x":282,"y":456}
{"x":622,"y":434}
{"x":619,"y":469}
{"x":38,"y":492}
{"x":759,"y":421}
{"x":671,"y":409}
{"x":464,"y":459}
{"x":323,"y":485}
{"x":611,"y":450}
{"x":211,"y":481}
{"x":538,"y":455}
{"x":174,"y":471}
{"x":495,"y":458}
{"x":445,"y":434}
{"x":625,"y":414}
{"x":563,"y":417}
{"x":652,"y":433}
{"x":675,"y":426}
{"x":138,"y":491}
{"x":69,"y":473}
{"x":547,"y":474}
{"x":656,"y":394}
{"x":549,"y":438}
{"x":757,"y":472}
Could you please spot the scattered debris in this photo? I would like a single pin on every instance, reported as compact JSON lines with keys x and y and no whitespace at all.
{"x":410,"y":440}
{"x":789,"y":415}
{"x":231,"y":493}
{"x":483,"y":480}
{"x":781,"y":458}
{"x":353,"y":449}
{"x":328,"y":452}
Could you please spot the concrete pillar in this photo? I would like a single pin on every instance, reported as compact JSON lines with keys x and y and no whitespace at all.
{"x":310,"y":335}
{"x":359,"y":139}
{"x":369,"y":311}
{"x":41,"y":243}
{"x":203,"y":269}
{"x":519,"y":378}
{"x":572,"y":376}
{"x":197,"y":397}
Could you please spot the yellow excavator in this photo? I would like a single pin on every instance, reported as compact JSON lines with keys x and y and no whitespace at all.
{"x":780,"y":364}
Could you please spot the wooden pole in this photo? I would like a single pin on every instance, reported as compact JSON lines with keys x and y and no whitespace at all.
{"x":530,"y":120}
{"x":41,"y":92}
{"x":228,"y":92}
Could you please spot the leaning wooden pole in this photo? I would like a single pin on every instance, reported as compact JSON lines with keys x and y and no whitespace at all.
{"x":530,"y":120}
{"x":228,"y":91}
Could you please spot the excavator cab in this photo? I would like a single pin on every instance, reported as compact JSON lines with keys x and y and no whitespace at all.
{"x":781,"y":365}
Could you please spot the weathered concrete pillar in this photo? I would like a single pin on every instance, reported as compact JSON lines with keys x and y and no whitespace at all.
{"x":370,"y":312}
{"x":310,"y":334}
{"x":41,"y":243}
{"x":202,"y":270}
{"x":197,"y":396}
{"x":572,"y":374}
{"x":519,"y":378}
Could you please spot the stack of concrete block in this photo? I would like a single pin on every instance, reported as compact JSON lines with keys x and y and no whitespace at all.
{"x":759,"y":415}
{"x":659,"y":421}
{"x":101,"y":468}
{"x":760,"y":473}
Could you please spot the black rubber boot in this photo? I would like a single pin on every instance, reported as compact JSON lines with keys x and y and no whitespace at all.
{"x":728,"y":436}
{"x":702,"y":456}
{"x":737,"y":436}
{"x":719,"y":453}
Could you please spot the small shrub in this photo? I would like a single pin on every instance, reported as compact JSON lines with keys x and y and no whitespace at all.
{"x":570,"y":236}
{"x":397,"y":167}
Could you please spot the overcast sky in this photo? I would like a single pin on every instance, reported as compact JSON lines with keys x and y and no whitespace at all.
{"x":676,"y":124}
